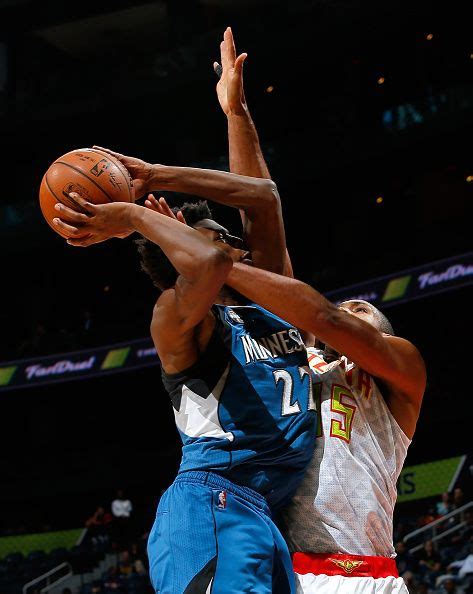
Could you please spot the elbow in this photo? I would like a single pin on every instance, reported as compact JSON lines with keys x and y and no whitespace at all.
{"x":265,"y":191}
{"x":217,"y":261}
{"x":269,"y":191}
{"x":263,"y":200}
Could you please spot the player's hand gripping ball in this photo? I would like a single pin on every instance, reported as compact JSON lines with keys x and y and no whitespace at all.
{"x":96,"y":176}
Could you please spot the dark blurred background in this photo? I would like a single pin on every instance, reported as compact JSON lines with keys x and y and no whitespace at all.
{"x":365,"y":114}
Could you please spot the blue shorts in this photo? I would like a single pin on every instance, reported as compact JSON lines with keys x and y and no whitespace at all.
{"x":212,"y":536}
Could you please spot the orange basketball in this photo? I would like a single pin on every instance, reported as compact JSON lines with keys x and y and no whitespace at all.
{"x":95,"y":175}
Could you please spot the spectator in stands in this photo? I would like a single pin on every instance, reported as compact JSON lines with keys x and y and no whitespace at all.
{"x":445,"y":506}
{"x":411,"y":583}
{"x":449,"y":586}
{"x":121,"y":510}
{"x":430,"y":563}
{"x":139,"y":568}
{"x":124,"y":564}
{"x":121,"y":507}
{"x":98,"y":525}
{"x":428,"y":517}
{"x":458,"y":498}
{"x":405,"y":560}
{"x":462,"y":541}
{"x":111,"y":579}
{"x":464,"y":566}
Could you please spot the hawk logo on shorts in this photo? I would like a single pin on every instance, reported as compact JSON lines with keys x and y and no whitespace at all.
{"x":347,"y":565}
{"x":222,"y":500}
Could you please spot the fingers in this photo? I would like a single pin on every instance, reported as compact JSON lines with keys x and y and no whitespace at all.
{"x":239,"y":63}
{"x":89,"y":208}
{"x":83,"y":242}
{"x":218,"y":69}
{"x":152,"y":203}
{"x":70,"y":216}
{"x":68,"y":229}
{"x":160,"y":206}
{"x":165,"y":210}
{"x":230,"y":45}
{"x":181,"y":218}
{"x":227,"y":51}
{"x":118,"y":156}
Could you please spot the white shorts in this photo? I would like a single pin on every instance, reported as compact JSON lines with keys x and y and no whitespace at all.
{"x":339,"y":584}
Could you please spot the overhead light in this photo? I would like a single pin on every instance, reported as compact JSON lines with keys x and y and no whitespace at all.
{"x":269,"y":89}
{"x":429,"y":36}
{"x":469,"y":179}
{"x":379,"y":199}
{"x":381,"y":80}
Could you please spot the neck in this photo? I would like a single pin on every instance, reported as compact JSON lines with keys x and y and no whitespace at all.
{"x":228,"y":296}
{"x":227,"y":300}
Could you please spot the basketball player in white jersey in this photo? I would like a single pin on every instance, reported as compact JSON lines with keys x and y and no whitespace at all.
{"x":368,"y":395}
{"x":368,"y":391}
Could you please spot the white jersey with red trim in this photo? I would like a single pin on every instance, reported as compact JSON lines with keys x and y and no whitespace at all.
{"x":346,"y":501}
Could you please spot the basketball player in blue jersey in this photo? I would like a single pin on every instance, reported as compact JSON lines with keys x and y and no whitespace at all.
{"x":241,"y":392}
{"x":233,"y":371}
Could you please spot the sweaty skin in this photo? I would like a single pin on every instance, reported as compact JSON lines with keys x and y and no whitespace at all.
{"x":350,"y":330}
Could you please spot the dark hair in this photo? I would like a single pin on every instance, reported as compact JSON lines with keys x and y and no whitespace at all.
{"x":154,"y":262}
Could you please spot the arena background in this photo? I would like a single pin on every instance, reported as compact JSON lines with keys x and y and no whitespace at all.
{"x":365,"y":114}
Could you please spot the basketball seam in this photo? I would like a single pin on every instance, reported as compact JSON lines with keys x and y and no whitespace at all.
{"x":61,"y":233}
{"x":127,"y":177}
{"x":52,"y":191}
{"x":87,"y":177}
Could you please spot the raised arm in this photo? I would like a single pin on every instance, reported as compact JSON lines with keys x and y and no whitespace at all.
{"x":391,"y":359}
{"x":257,"y":197}
{"x":238,"y":191}
{"x":246,"y":158}
{"x":201,"y":267}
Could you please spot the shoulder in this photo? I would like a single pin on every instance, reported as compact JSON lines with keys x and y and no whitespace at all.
{"x":178,"y":349}
{"x":412,"y":363}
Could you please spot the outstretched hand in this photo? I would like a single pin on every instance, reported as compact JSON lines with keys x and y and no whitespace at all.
{"x":96,"y":222}
{"x":140,"y":172}
{"x":163,"y":208}
{"x":230,"y":90}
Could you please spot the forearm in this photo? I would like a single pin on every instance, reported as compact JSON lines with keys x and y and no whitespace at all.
{"x":292,"y":300}
{"x":390,"y":358}
{"x":246,"y":158}
{"x":245,"y":154}
{"x":188,"y":250}
{"x":225,"y":188}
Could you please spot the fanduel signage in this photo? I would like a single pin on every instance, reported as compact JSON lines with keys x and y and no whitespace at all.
{"x":414,"y":283}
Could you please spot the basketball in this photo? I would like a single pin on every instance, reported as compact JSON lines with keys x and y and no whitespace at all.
{"x":95,"y":175}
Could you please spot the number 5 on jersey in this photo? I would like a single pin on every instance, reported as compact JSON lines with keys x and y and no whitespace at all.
{"x":338,"y":428}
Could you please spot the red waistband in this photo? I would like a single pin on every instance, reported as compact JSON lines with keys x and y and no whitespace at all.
{"x":346,"y":565}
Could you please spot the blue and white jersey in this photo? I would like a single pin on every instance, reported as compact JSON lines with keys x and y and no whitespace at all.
{"x":245,"y":410}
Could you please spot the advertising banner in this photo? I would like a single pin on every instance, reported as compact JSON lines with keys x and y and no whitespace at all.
{"x":78,"y":365}
{"x":414,"y":283}
{"x":422,"y":281}
{"x":427,"y":480}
